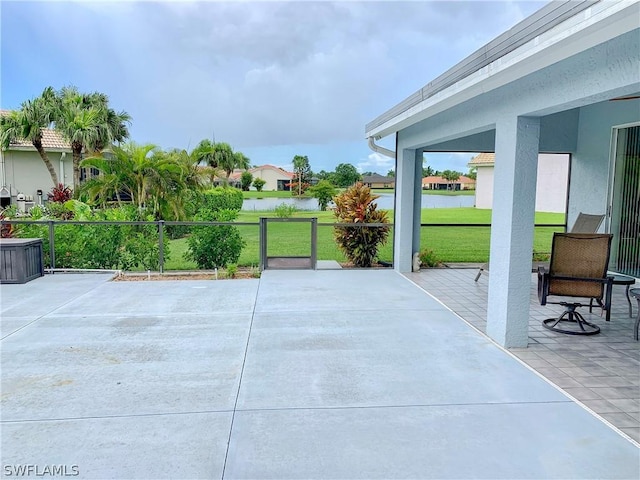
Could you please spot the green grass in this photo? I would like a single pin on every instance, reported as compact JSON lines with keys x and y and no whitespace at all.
{"x":391,"y":191}
{"x":450,"y":244}
{"x":277,"y":194}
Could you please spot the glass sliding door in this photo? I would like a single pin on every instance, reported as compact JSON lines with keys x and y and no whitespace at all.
{"x":625,"y":202}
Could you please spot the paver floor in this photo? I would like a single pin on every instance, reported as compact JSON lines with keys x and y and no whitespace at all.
{"x":300,"y":374}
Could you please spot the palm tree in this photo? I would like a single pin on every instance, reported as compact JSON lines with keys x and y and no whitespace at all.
{"x":28,"y":124}
{"x":88,"y":123}
{"x":223,"y":158}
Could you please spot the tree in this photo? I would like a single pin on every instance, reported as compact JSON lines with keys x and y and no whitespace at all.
{"x":245,"y":180}
{"x":346,"y":175}
{"x":28,"y":124}
{"x":303,"y":172}
{"x":451,"y":176}
{"x":154,"y":180}
{"x":324,"y":191}
{"x":473,"y":173}
{"x":87,"y":122}
{"x":241,"y":161}
{"x":428,"y":171}
{"x":391,"y":173}
{"x":259,"y":183}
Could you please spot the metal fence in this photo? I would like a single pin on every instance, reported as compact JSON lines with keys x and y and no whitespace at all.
{"x":286,"y":238}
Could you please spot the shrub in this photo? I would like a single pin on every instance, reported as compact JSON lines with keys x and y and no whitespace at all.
{"x":285,"y":211}
{"x":232,"y":270}
{"x":359,"y":244}
{"x":214,"y":246}
{"x":221,"y":198}
{"x":259,"y":183}
{"x":324,"y":191}
{"x":245,"y":180}
{"x":60,"y":194}
{"x":428,"y":258}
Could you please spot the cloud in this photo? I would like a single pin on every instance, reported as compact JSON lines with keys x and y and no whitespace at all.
{"x":376,"y":162}
{"x":256,"y":74}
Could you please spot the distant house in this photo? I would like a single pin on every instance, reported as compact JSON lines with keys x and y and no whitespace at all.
{"x":22,"y":171}
{"x":378,"y":181}
{"x":436,"y":182}
{"x":551,"y":186}
{"x":277,"y":179}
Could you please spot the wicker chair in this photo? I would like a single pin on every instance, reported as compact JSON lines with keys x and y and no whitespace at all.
{"x":578,"y":269}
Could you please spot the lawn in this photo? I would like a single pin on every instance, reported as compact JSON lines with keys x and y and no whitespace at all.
{"x":450,"y":244}
{"x":270,"y":194}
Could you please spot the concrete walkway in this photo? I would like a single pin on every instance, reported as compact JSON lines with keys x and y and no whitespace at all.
{"x":301,"y":374}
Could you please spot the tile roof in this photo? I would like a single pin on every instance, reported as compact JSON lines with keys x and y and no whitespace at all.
{"x":377,"y":178}
{"x":482,"y":159}
{"x":51,"y":139}
{"x":439,"y":179}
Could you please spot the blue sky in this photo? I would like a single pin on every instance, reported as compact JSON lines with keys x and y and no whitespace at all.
{"x":273,"y":79}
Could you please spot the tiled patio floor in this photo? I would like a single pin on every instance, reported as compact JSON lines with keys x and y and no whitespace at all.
{"x":601,"y":371}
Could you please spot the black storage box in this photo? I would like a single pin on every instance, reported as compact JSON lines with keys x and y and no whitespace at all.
{"x":20,"y":259}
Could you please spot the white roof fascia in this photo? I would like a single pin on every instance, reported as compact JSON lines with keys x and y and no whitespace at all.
{"x":601,"y":22}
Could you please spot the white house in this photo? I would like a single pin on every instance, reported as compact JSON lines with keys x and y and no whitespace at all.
{"x":22,"y":171}
{"x":564,"y":80}
{"x":551,"y":187}
{"x":276,"y":178}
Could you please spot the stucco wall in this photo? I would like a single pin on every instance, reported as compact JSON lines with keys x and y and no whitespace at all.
{"x":590,"y":169}
{"x":484,"y":187}
{"x":26,"y":172}
{"x":271,"y":177}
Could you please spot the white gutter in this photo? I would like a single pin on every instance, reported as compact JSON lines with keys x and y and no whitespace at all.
{"x":381,"y":150}
{"x":61,"y":180}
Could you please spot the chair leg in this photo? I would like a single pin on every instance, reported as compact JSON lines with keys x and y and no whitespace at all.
{"x":571,"y":316}
{"x":480,"y":270}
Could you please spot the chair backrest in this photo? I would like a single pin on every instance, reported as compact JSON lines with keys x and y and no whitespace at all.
{"x":579,"y":255}
{"x":587,"y":223}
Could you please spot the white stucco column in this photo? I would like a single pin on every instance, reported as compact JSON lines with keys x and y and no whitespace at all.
{"x":514,"y":195}
{"x":407,"y":208}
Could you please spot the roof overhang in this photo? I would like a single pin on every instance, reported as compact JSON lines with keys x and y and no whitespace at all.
{"x":566,"y":32}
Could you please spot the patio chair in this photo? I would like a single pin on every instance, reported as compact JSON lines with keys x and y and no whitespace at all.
{"x":578,"y":269}
{"x":585,"y":223}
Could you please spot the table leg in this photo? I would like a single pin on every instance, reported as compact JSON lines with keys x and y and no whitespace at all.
{"x":637,"y":325}
{"x":629,"y":301}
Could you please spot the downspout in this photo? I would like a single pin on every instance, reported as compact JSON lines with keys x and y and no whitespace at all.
{"x":381,"y":150}
{"x":64,"y":154}
{"x":5,"y":194}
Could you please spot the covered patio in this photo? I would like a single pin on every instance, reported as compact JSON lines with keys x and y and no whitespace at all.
{"x":565,"y":80}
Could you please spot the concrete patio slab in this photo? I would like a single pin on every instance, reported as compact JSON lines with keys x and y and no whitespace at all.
{"x":389,"y":357}
{"x":499,"y":441}
{"x":185,"y":446}
{"x":300,"y":374}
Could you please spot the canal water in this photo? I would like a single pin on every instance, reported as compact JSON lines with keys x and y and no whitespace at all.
{"x":385,"y":202}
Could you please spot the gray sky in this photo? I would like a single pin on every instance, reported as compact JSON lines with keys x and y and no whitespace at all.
{"x":273,"y":79}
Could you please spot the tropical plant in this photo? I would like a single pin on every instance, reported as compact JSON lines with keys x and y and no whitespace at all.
{"x":222,"y":198}
{"x":324,"y":191}
{"x":359,"y":244}
{"x":259,"y":183}
{"x":87,"y":123}
{"x":60,"y":194}
{"x":245,"y":180}
{"x":428,"y":258}
{"x":302,"y":172}
{"x":28,"y":124}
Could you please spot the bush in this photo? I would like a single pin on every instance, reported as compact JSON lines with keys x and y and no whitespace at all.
{"x":259,"y":183}
{"x":60,"y":194}
{"x":359,"y":244}
{"x":428,"y":258}
{"x":221,"y":198}
{"x":285,"y":211}
{"x":232,"y":270}
{"x":215,"y":246}
{"x":99,"y":246}
{"x":324,"y":191}
{"x":245,"y":180}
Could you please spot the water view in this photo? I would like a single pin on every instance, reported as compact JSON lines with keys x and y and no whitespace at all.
{"x":385,"y":202}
